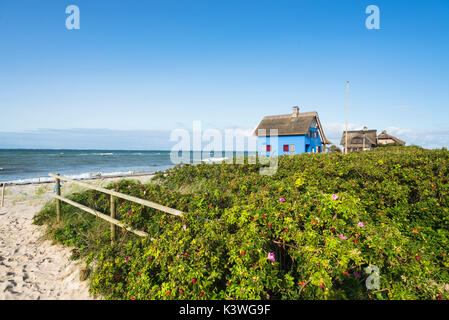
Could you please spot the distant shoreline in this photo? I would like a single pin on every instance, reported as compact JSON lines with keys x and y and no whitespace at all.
{"x":97,"y":177}
{"x":68,"y":149}
{"x":26,"y":166}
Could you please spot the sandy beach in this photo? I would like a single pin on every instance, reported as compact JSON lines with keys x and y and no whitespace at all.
{"x":31,"y":266}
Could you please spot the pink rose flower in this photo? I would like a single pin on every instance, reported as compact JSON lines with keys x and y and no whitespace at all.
{"x":271,"y":256}
{"x":334,"y":197}
{"x":343,"y":237}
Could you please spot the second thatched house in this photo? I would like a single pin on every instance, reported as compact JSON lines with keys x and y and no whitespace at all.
{"x":362,"y":140}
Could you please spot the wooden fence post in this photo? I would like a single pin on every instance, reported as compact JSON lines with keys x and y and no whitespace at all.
{"x":113,"y":217}
{"x":3,"y":194}
{"x":58,"y":202}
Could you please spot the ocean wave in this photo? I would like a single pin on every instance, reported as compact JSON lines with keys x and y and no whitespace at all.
{"x":211,"y":160}
{"x":104,"y":154}
{"x":81,"y":176}
{"x":30,"y":180}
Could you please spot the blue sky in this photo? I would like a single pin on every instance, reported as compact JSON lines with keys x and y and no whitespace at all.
{"x":153,"y":66}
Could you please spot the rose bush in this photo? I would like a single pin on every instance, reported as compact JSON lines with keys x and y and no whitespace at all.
{"x":307,"y":232}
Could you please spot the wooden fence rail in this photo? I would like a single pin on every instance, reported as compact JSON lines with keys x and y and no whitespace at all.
{"x":114,"y":194}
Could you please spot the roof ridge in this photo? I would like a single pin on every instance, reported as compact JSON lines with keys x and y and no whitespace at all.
{"x":279,"y":116}
{"x":361,"y":130}
{"x":289,"y":124}
{"x":289,"y":115}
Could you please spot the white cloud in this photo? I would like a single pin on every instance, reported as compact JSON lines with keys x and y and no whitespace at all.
{"x":146,"y":139}
{"x":405,"y":108}
{"x":423,"y":137}
{"x":86,"y":139}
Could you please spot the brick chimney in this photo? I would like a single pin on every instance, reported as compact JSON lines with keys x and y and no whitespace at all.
{"x":295,"y":111}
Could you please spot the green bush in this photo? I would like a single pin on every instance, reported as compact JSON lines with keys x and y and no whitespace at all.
{"x":307,"y":232}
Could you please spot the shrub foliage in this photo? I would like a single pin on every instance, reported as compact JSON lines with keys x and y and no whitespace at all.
{"x":307,"y":232}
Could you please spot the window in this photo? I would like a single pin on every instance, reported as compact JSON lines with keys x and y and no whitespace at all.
{"x":285,"y":148}
{"x":292,"y":148}
{"x":268,"y":147}
{"x":264,"y":148}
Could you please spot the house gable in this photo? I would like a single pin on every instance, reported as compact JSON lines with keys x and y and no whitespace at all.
{"x":295,"y":123}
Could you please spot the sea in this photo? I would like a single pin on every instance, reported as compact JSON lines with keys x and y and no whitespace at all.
{"x":24,"y":166}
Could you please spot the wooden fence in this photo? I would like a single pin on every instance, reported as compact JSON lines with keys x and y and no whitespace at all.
{"x":3,"y":194}
{"x":111,"y":219}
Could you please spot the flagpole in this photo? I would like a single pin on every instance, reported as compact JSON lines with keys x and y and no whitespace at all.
{"x":347,"y":102}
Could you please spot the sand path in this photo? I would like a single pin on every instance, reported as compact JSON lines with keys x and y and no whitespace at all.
{"x":32,"y":267}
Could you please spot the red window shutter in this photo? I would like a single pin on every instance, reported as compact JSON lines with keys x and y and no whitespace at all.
{"x":285,"y":147}
{"x":268,"y":147}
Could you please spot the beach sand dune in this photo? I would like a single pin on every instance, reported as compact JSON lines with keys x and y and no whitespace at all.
{"x":32,"y":267}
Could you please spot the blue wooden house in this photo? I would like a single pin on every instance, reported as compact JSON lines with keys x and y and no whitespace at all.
{"x":297,"y":133}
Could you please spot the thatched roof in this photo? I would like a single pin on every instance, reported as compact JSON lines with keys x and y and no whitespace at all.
{"x":385,"y":136}
{"x":295,"y":123}
{"x":355,"y":138}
